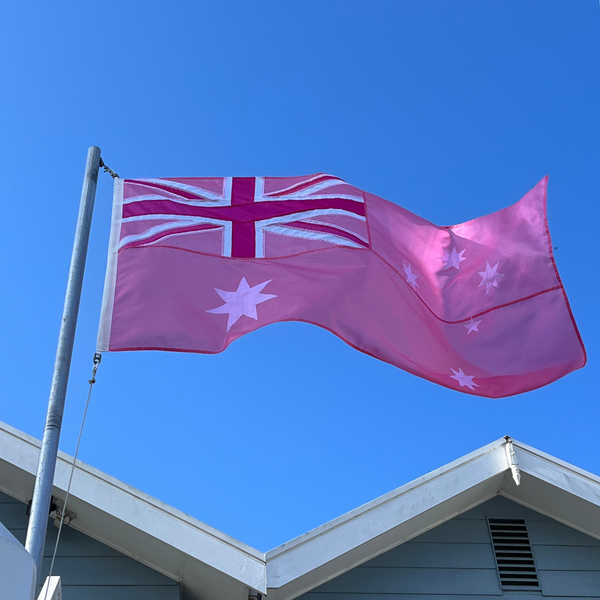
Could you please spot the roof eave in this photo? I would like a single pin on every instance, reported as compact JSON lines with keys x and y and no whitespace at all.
{"x":203,"y":559}
{"x":324,"y":553}
{"x":556,"y":489}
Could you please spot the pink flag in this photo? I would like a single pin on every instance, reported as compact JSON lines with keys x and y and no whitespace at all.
{"x":194,"y":263}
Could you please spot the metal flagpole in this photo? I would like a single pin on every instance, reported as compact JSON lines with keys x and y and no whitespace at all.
{"x":40,"y":504}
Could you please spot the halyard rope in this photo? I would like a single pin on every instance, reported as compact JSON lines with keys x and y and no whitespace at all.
{"x":92,"y":381}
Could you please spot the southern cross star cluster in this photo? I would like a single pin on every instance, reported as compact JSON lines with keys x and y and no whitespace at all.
{"x":489,"y":279}
{"x":244,"y":300}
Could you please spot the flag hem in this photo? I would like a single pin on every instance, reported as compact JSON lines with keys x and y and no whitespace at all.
{"x":555,"y":267}
{"x":355,"y":346}
{"x":108,"y":297}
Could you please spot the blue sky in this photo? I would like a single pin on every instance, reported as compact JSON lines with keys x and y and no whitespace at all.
{"x":451,"y":109}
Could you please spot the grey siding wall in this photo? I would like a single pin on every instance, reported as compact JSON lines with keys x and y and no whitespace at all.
{"x":90,"y":570}
{"x":455,"y":560}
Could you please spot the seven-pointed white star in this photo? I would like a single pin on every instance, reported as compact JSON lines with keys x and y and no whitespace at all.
{"x":410,"y":276}
{"x":472,"y":325}
{"x":241,"y":302}
{"x":464,"y":380}
{"x":453,"y":259}
{"x":490,"y":277}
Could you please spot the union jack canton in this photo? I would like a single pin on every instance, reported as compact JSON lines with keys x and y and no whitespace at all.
{"x":244,"y":217}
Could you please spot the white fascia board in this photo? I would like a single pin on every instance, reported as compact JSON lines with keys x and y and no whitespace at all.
{"x":558,"y":472}
{"x":133,"y":522}
{"x":557,"y":489}
{"x":342,"y":544}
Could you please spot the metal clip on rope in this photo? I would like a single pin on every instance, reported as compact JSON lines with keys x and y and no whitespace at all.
{"x":97,"y":361}
{"x":108,"y":169}
{"x":63,"y":513}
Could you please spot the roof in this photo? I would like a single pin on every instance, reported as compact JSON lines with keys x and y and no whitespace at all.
{"x":214,"y":566}
{"x":210,"y":564}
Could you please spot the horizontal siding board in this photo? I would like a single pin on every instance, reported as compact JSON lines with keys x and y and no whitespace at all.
{"x":20,"y":534}
{"x":429,"y":566}
{"x":108,"y":570}
{"x":155,"y":592}
{"x":89,"y":569}
{"x":411,"y":580}
{"x":576,"y":584}
{"x":72,"y":543}
{"x":75,"y":543}
{"x":457,"y":531}
{"x":474,"y":556}
{"x":554,"y":533}
{"x":567,"y":558}
{"x":6,"y":499}
{"x":12,"y":515}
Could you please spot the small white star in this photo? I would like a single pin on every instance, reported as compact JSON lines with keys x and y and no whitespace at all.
{"x":490,"y":277}
{"x":410,"y":276}
{"x":453,"y":259}
{"x":472,"y":325}
{"x":241,"y":302}
{"x":464,"y":380}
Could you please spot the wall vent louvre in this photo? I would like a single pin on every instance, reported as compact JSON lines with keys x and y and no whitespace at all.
{"x":513,"y":553}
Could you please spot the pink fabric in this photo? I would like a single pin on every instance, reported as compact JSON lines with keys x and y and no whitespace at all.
{"x":477,"y":307}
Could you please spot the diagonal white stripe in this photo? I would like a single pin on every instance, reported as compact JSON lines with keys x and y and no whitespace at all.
{"x":309,"y":191}
{"x":309,"y":214}
{"x":299,"y":216}
{"x":320,"y":197}
{"x":222,"y":199}
{"x":143,"y":197}
{"x":306,"y":235}
{"x":304,"y":182}
{"x":360,"y":237}
{"x":173,"y":224}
